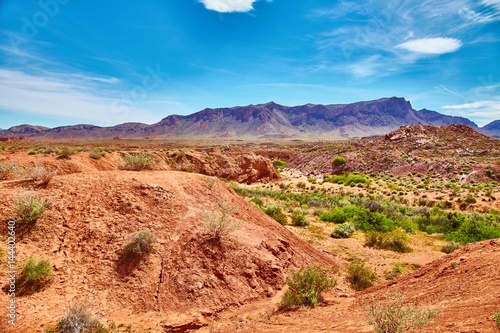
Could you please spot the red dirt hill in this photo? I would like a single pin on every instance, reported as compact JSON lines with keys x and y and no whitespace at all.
{"x":87,"y":225}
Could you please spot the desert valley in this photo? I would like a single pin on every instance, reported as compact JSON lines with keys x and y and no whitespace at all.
{"x":230,"y":234}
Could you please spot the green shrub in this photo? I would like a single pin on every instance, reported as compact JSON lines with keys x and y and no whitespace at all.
{"x":359,"y":276}
{"x":80,"y":318}
{"x":345,"y":213}
{"x":339,"y":161}
{"x":276,"y":213}
{"x":396,"y":240}
{"x":136,"y":162}
{"x":35,"y":274}
{"x":65,"y":152}
{"x":279,"y":165}
{"x":29,"y":208}
{"x":360,"y":216}
{"x":299,"y":218}
{"x":450,"y":247}
{"x":344,"y":230}
{"x":395,"y":316}
{"x":474,"y":229}
{"x":258,"y":202}
{"x":348,"y":179}
{"x":96,"y":154}
{"x":305,"y":287}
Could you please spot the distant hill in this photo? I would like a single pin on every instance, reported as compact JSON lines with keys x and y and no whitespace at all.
{"x":492,"y":129}
{"x":337,"y":121}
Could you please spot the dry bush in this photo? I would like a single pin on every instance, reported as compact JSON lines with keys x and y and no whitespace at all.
{"x":450,"y":247}
{"x":7,"y":169}
{"x":395,"y":316}
{"x":219,"y":225}
{"x":40,"y":174}
{"x":80,"y":318}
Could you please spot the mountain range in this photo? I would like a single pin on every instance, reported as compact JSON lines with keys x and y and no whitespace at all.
{"x":336,"y":121}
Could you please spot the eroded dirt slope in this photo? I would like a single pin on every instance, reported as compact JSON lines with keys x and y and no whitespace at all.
{"x":188,"y":276}
{"x":465,"y":297}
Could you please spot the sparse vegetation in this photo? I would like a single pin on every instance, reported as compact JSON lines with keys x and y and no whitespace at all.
{"x":35,"y":274}
{"x":399,"y":269}
{"x":136,"y":162}
{"x":305,"y":287}
{"x":29,"y":208}
{"x":395,"y":316}
{"x":219,"y":224}
{"x":359,"y":276}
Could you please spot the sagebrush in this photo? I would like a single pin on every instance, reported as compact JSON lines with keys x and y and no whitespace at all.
{"x":30,"y":208}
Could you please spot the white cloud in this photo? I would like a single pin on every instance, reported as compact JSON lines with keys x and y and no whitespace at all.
{"x":437,"y":45}
{"x":228,"y":6}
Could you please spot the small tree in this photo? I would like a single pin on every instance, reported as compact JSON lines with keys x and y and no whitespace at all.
{"x":305,"y":287}
{"x":395,"y":316}
{"x":219,"y":225}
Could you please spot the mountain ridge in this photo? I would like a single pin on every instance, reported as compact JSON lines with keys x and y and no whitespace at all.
{"x":334,"y":121}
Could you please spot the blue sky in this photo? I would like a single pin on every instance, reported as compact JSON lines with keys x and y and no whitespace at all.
{"x":109,"y":62}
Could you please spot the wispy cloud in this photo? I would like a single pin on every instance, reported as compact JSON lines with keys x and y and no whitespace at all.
{"x":431,"y":45}
{"x":397,"y":34}
{"x":474,"y":105}
{"x":482,"y":111}
{"x":51,"y":95}
{"x":228,"y":6}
